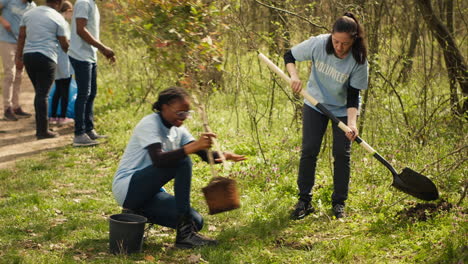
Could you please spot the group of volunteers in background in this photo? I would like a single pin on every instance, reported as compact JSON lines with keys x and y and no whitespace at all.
{"x":39,"y":39}
{"x":158,"y":151}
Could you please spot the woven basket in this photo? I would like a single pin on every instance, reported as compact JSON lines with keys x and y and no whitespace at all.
{"x":221,"y":195}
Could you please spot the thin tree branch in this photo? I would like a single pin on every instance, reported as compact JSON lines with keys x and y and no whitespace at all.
{"x":398,"y":97}
{"x":293,"y":14}
{"x":444,"y":157}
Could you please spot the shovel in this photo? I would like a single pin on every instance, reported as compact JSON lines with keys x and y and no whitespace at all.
{"x":408,"y":181}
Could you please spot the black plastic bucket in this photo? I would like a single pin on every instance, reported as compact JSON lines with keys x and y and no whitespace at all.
{"x":126,"y":233}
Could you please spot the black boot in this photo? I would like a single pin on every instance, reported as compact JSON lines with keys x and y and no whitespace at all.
{"x":187,"y":236}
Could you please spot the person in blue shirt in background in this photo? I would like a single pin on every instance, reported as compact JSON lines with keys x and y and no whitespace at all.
{"x":339,"y":71}
{"x":42,"y":31}
{"x":63,"y":76}
{"x":10,"y":17}
{"x":84,"y":44}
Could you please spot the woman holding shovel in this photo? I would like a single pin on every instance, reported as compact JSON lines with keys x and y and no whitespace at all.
{"x":157,"y":153}
{"x":339,"y":71}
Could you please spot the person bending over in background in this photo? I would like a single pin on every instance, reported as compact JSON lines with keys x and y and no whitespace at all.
{"x":63,"y":75}
{"x":157,"y":153}
{"x":10,"y":18}
{"x":339,"y":70}
{"x":42,"y":29}
{"x":84,"y":43}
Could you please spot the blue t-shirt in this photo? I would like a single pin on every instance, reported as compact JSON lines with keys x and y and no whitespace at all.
{"x":80,"y":49}
{"x":330,"y":76}
{"x":12,"y":11}
{"x":64,"y":69}
{"x":149,"y":130}
{"x":43,"y":25}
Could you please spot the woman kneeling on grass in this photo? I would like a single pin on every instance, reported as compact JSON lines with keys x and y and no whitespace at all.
{"x":157,"y":153}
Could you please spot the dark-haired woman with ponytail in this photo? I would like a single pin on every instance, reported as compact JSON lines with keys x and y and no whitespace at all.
{"x":157,"y":153}
{"x":339,"y":71}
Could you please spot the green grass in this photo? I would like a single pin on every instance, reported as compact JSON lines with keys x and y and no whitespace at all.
{"x":54,"y":207}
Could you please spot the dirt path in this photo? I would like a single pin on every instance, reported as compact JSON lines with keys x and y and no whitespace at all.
{"x":18,"y":138}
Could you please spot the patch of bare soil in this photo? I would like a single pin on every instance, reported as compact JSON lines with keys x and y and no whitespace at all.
{"x":18,"y":138}
{"x":424,"y":211}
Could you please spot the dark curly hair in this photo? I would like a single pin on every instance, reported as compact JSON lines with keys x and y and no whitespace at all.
{"x":168,"y":95}
{"x":349,"y":24}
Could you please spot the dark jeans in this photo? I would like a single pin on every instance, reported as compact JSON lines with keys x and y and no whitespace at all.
{"x":85,"y":75}
{"x":62,"y":87}
{"x":41,"y":71}
{"x":160,"y":207}
{"x":314,"y":127}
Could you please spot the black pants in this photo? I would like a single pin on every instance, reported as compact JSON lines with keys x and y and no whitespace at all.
{"x":160,"y":207}
{"x":62,"y":87}
{"x":86,"y":82}
{"x":41,"y":71}
{"x":314,"y":127}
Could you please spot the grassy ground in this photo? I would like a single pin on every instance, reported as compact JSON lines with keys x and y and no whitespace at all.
{"x":54,"y":207}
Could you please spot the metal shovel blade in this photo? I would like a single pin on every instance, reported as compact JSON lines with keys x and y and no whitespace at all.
{"x":415,"y":184}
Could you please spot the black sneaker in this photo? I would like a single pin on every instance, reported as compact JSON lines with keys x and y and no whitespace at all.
{"x":301,"y":210}
{"x":20,"y":113}
{"x":338,"y":210}
{"x":9,"y":115}
{"x":48,"y":134}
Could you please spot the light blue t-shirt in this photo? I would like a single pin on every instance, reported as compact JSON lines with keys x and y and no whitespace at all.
{"x":80,"y":49}
{"x":330,"y":76}
{"x":43,"y":25}
{"x":64,"y":69}
{"x":149,"y":130}
{"x":12,"y":11}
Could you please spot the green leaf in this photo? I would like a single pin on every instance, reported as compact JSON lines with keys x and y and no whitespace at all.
{"x":148,"y":26}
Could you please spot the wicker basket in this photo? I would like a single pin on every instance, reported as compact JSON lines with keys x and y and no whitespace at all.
{"x":221,"y":195}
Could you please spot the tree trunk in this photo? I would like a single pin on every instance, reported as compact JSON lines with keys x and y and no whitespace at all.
{"x":373,"y":33}
{"x":453,"y":82}
{"x":454,"y":61}
{"x":408,"y":59}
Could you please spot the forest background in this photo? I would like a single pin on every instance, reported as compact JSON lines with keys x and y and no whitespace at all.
{"x":55,"y":206}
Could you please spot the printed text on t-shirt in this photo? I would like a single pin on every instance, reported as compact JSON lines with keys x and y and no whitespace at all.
{"x":330,"y":71}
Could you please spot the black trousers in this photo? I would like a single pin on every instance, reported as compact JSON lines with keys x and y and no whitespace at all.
{"x":314,"y":127}
{"x":144,"y":192}
{"x":41,"y":71}
{"x":62,"y":87}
